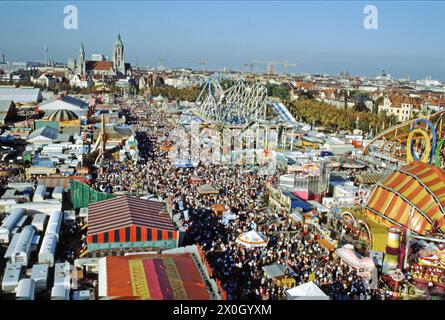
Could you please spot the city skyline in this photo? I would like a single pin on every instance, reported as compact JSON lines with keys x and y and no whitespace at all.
{"x":321,"y":37}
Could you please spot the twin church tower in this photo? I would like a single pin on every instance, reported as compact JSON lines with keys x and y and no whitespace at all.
{"x":116,"y":67}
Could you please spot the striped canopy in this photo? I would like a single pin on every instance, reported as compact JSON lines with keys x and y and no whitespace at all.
{"x":417,"y":185}
{"x":125,"y":211}
{"x":62,"y":115}
{"x":252,"y":239}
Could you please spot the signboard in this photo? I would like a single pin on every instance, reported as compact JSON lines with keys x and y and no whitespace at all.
{"x":40,"y":170}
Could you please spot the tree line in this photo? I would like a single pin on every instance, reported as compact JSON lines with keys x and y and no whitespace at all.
{"x":331,"y":117}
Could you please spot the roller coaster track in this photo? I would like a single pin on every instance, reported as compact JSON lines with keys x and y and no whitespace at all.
{"x":241,"y":105}
{"x":397,"y":135}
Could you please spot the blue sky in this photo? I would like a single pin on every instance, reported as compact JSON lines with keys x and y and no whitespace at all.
{"x":324,"y":37}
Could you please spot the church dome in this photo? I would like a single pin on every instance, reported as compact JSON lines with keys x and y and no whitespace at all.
{"x":62,"y":115}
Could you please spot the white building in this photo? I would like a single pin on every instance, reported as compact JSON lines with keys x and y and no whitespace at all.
{"x":46,"y":80}
{"x":78,"y":81}
{"x":402,"y":107}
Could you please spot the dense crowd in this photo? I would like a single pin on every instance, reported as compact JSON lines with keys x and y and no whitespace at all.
{"x":243,"y":193}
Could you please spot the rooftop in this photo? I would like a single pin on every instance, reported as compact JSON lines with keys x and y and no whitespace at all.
{"x":127,"y":211}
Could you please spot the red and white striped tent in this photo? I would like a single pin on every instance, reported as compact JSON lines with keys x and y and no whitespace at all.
{"x":128,"y":220}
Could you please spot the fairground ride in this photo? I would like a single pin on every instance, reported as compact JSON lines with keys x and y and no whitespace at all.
{"x":420,"y":139}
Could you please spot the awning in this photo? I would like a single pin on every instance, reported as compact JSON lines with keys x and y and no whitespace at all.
{"x":277,"y":270}
{"x":370,"y":178}
{"x":349,"y":256}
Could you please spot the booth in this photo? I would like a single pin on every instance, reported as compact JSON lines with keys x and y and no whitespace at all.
{"x":207,"y":189}
{"x":218,"y":209}
{"x":281,"y":275}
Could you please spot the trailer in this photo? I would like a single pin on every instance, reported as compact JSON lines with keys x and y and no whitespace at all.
{"x":11,"y":277}
{"x":9,"y":224}
{"x":58,"y":193}
{"x":59,"y":292}
{"x":9,"y":194}
{"x":25,"y":289}
{"x":11,"y":247}
{"x":39,"y":221}
{"x":35,"y":242}
{"x":47,"y":206}
{"x":54,"y":223}
{"x":39,"y":193}
{"x":22,"y":249}
{"x":48,"y":250}
{"x":21,"y":186}
{"x":21,"y":222}
{"x":39,"y":274}
{"x":62,"y":275}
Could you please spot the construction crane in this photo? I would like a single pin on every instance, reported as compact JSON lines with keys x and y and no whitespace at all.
{"x":286,"y":65}
{"x":203,"y":65}
{"x":271,"y":65}
{"x":251,"y":65}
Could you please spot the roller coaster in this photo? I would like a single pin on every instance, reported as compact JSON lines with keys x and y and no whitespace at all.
{"x":247,"y":116}
{"x":241,"y":105}
{"x":420,"y":139}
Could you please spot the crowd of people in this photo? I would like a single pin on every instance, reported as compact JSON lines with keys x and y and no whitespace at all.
{"x":243,"y":193}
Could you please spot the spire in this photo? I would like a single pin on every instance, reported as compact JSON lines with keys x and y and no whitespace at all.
{"x":119,"y":40}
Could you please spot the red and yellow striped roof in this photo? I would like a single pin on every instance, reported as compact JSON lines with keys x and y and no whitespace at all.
{"x":417,"y":185}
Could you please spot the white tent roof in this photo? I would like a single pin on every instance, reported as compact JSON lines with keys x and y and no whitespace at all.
{"x":307,"y":291}
{"x":352,"y":258}
{"x":252,"y":239}
{"x":78,"y":106}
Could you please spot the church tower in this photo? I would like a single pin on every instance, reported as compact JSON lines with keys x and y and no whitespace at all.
{"x":81,"y":68}
{"x":118,"y":56}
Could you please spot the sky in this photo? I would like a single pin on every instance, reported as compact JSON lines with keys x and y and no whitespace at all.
{"x":318,"y":36}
